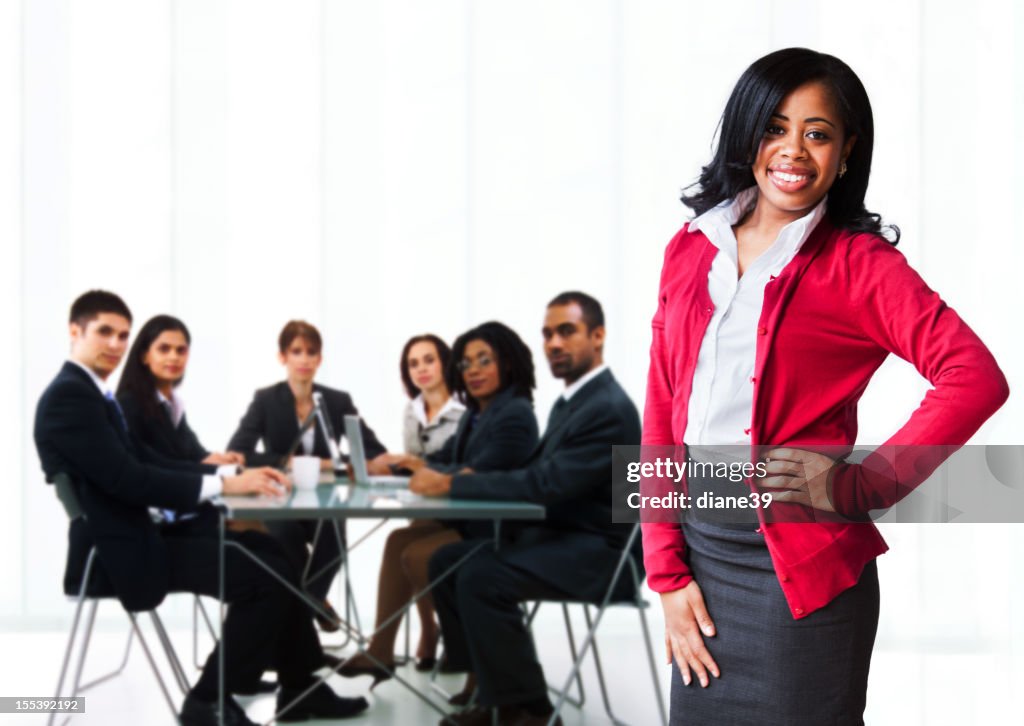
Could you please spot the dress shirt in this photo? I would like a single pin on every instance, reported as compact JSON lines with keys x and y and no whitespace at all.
{"x":175,"y":406}
{"x":587,"y":377}
{"x":723,"y":393}
{"x":308,"y":438}
{"x":213,"y":484}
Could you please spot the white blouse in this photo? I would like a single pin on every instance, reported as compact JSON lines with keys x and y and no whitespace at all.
{"x":722,"y":397}
{"x":422,"y":437}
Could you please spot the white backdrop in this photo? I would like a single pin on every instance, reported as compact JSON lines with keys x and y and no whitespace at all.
{"x":388,"y":168}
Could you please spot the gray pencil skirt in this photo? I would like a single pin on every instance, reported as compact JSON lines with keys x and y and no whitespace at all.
{"x":774,"y":670}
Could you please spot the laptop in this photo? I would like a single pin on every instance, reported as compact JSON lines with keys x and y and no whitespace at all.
{"x":357,"y":457}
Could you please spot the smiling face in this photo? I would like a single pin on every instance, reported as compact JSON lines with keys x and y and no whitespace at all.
{"x":801,"y":152}
{"x":167,"y":357}
{"x":424,"y":366}
{"x":480,"y":372}
{"x":301,"y":360}
{"x":101,"y":344}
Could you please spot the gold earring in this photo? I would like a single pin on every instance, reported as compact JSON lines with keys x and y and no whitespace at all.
{"x":842,"y":169}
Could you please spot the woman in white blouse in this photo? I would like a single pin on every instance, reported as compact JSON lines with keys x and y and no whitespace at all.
{"x":431,"y":417}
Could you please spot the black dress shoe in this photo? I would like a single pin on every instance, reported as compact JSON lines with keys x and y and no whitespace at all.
{"x":258,"y":688}
{"x":195,"y":712}
{"x":321,"y":703}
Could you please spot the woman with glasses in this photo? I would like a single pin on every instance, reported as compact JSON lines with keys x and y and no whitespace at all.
{"x":492,"y":370}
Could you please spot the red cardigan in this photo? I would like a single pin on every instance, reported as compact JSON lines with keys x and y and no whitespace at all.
{"x":828,"y":321}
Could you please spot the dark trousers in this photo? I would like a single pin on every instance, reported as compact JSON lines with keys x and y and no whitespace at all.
{"x":295,"y":535}
{"x":483,"y":626}
{"x":266,"y":626}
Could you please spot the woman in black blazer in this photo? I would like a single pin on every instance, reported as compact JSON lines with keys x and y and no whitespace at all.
{"x":273,"y":418}
{"x":147,"y":393}
{"x":492,"y":370}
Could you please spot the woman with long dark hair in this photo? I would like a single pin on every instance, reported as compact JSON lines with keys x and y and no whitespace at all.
{"x":491,"y":369}
{"x":431,"y":417}
{"x":148,"y":393}
{"x":777,"y":303}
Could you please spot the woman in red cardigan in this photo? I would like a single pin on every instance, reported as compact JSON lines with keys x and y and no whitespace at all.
{"x":777,"y":303}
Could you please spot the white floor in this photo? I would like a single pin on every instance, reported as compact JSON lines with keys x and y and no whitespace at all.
{"x":908,"y":687}
{"x":964,"y":673}
{"x":31,"y":662}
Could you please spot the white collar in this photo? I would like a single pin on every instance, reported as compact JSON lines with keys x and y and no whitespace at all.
{"x":100,"y":383}
{"x":717,"y":220}
{"x":572,"y":388}
{"x":419,"y":408}
{"x":176,"y":403}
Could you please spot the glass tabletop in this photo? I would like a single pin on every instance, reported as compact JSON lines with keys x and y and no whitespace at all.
{"x":346,"y":500}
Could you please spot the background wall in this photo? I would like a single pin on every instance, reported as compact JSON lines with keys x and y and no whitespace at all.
{"x":387,"y":168}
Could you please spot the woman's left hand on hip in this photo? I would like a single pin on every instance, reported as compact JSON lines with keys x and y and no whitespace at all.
{"x":799,"y":476}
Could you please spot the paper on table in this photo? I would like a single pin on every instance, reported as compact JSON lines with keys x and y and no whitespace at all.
{"x":386,"y":503}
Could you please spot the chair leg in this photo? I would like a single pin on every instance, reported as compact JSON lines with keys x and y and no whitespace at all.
{"x":58,"y":693}
{"x":576,"y":658}
{"x":600,"y":671}
{"x":655,"y":676}
{"x":172,"y":656}
{"x":117,"y":671}
{"x":199,"y":609}
{"x":153,"y":666}
{"x":86,"y":638}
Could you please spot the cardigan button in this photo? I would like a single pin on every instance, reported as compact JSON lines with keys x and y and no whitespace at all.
{"x":784,"y":578}
{"x":762,"y":330}
{"x":798,"y":611}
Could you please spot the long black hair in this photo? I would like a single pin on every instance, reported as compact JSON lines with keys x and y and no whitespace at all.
{"x":757,"y":95}
{"x":515,"y":362}
{"x":444,"y":354}
{"x":137,"y":380}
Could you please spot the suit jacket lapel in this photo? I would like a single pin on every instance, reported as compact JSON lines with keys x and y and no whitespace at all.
{"x":482,"y":423}
{"x":562,"y":413}
{"x":286,"y":400}
{"x":113,"y":415}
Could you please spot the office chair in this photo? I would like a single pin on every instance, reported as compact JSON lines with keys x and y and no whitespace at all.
{"x":68,"y":498}
{"x":626,"y":560}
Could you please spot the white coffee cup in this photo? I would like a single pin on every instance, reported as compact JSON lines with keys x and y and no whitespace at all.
{"x":306,"y":471}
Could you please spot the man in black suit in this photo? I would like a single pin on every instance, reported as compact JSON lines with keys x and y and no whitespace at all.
{"x":570,"y":555}
{"x":80,"y":431}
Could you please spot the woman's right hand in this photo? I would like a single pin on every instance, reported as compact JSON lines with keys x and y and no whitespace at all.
{"x":685,"y":619}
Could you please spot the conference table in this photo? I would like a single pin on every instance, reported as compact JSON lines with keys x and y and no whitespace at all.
{"x":342,"y":499}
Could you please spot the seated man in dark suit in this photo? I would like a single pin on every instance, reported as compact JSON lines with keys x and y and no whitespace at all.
{"x":80,"y":431}
{"x":572,"y":554}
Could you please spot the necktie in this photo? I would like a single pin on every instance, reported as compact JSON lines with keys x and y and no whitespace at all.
{"x":120,"y":412}
{"x":558,"y":411}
